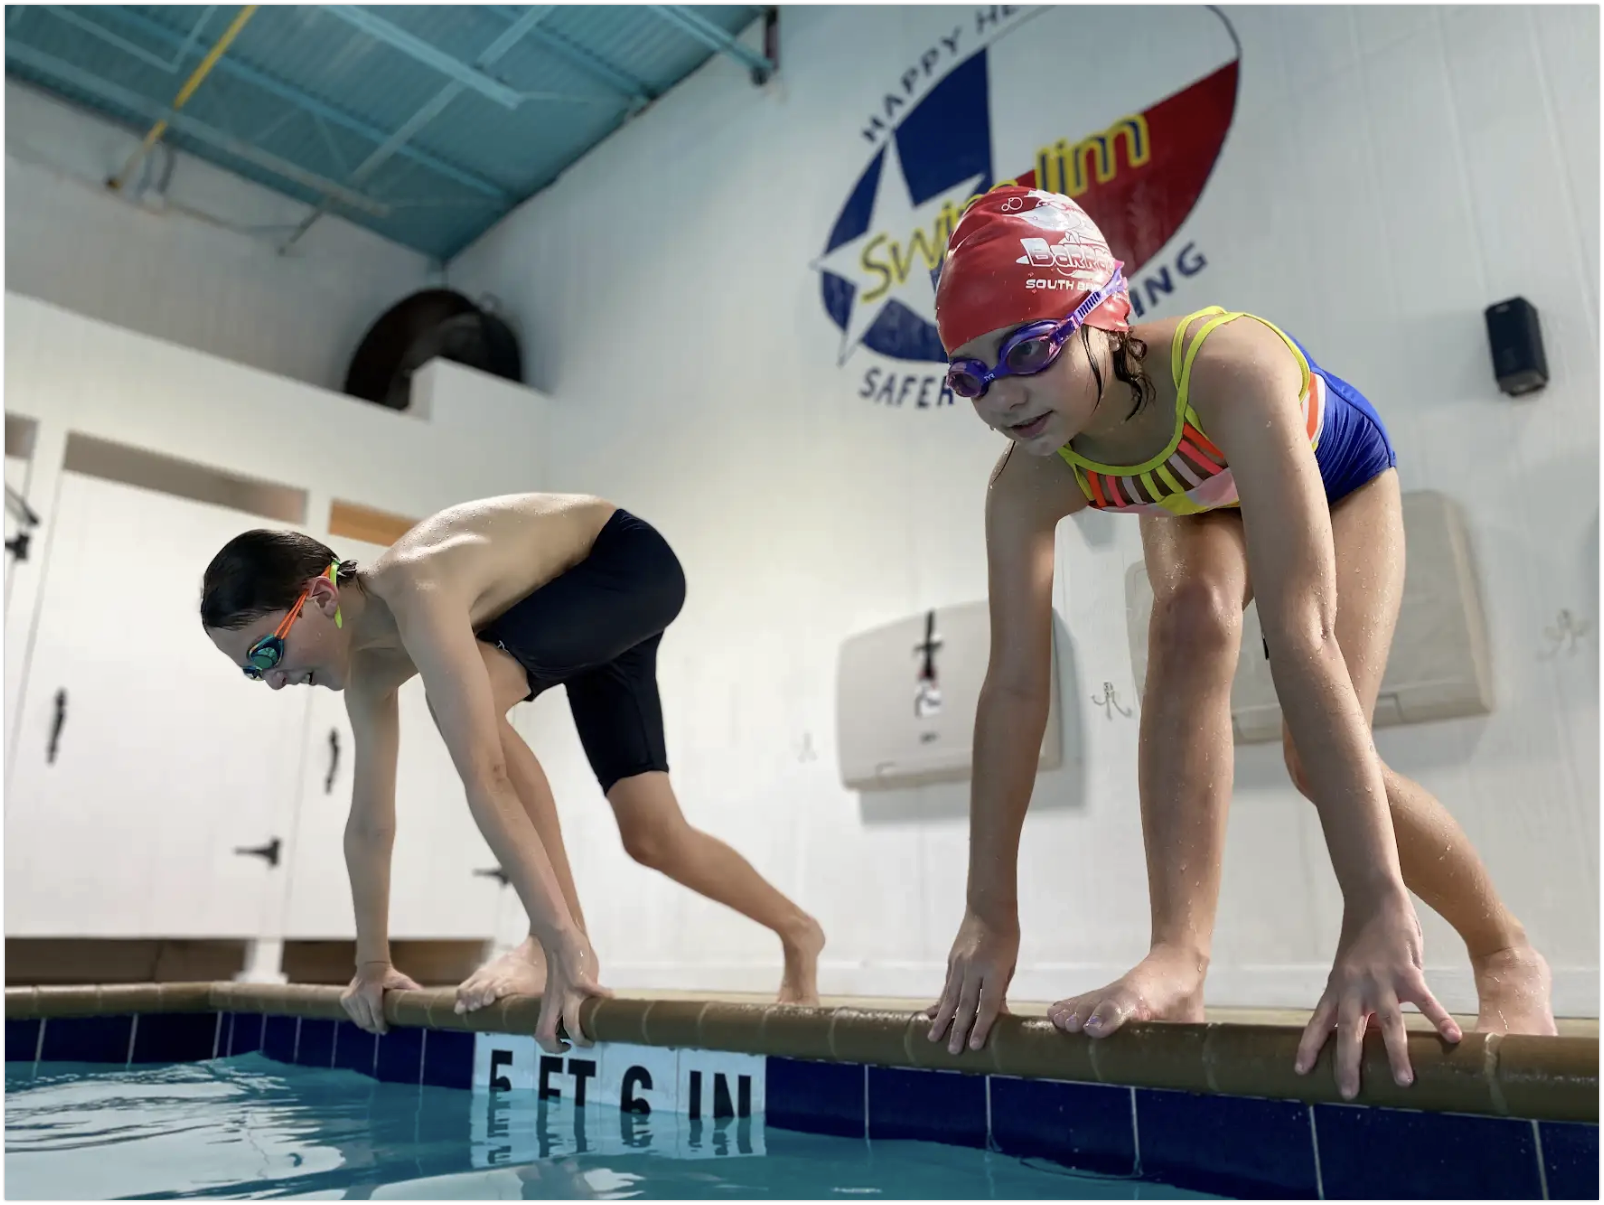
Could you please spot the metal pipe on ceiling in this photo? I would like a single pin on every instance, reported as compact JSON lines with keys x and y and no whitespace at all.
{"x":241,"y":19}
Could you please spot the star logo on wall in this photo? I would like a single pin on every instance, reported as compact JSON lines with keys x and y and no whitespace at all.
{"x":895,"y":219}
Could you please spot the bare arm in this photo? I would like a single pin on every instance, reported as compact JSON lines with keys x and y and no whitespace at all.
{"x":1026,"y":499}
{"x":436,"y":630}
{"x":370,"y":829}
{"x":1248,"y":399}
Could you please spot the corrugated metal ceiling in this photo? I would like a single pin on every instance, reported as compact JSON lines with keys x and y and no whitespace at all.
{"x":424,"y":123}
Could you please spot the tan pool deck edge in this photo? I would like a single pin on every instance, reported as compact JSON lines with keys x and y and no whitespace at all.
{"x":1232,"y":1015}
{"x":1540,"y":1078}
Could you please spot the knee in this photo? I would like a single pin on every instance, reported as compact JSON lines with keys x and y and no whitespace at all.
{"x":651,"y":843}
{"x":1195,"y":622}
{"x":1300,"y":779}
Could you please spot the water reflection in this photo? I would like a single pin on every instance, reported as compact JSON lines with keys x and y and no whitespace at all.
{"x":249,"y":1127}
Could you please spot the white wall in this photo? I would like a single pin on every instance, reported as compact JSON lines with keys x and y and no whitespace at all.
{"x":215,"y":283}
{"x":1389,"y":173}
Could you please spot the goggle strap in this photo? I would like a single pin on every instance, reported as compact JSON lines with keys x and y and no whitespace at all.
{"x":283,"y":629}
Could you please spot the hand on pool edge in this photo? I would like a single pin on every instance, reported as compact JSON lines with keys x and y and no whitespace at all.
{"x":570,"y":978}
{"x":1378,"y":969}
{"x":979,"y":970}
{"x":363,"y":999}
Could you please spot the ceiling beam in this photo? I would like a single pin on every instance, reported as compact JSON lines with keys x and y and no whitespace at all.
{"x":625,"y":86}
{"x":704,"y":31}
{"x":334,"y":116}
{"x":431,"y":109}
{"x":76,"y":77}
{"x":426,"y":53}
{"x":63,"y":13}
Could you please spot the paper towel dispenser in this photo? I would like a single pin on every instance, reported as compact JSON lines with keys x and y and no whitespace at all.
{"x":907,"y":694}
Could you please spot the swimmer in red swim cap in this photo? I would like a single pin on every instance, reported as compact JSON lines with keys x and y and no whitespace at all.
{"x":1244,"y":455}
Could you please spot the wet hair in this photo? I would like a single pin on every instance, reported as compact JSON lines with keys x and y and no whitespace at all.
{"x":1126,"y":353}
{"x":261,"y":572}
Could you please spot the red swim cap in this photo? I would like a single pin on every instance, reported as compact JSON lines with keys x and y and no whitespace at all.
{"x":1022,"y":255}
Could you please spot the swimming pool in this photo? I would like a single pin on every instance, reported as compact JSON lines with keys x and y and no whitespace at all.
{"x":246,"y":1126}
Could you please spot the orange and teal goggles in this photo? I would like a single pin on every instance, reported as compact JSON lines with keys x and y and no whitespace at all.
{"x":267,"y":652}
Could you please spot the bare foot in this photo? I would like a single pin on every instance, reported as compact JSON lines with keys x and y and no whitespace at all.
{"x":1167,"y":985}
{"x":800,"y":983}
{"x":1513,"y":986}
{"x":518,"y":972}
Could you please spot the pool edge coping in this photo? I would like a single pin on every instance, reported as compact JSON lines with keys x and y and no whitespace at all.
{"x":1516,"y":1076}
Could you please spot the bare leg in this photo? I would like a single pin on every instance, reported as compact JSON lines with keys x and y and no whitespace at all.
{"x":1438,"y":861}
{"x":521,"y":971}
{"x":1198,"y":567}
{"x":656,"y":834}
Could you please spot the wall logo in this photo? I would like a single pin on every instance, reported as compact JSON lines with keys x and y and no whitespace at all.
{"x":998,"y":115}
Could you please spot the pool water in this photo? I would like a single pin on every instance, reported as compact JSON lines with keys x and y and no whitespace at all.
{"x":250,"y":1127}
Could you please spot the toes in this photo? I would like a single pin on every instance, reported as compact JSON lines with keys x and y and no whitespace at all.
{"x":1104,"y":1019}
{"x":1069,"y":1015}
{"x":1095,"y":1015}
{"x":487,"y":993}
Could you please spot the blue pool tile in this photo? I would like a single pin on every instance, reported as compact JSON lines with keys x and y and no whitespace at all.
{"x":400,"y":1059}
{"x":315,"y":1046}
{"x":932,"y":1106}
{"x":354,"y":1048}
{"x":1084,"y":1126}
{"x":818,"y":1098}
{"x":245,"y":1032}
{"x":278,"y":1038}
{"x":174,"y":1037}
{"x":448,"y":1058}
{"x":22,"y":1040}
{"x":1570,"y":1158}
{"x":86,"y":1040}
{"x":1232,"y":1145}
{"x":1373,"y":1153}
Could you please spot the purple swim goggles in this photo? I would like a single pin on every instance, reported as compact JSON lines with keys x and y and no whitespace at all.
{"x":1031,"y":349}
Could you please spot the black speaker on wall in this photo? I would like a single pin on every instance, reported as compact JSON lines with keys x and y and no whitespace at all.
{"x":1517,"y":343}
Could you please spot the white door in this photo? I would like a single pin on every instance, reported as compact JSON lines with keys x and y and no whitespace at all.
{"x":319,"y":904}
{"x":16,"y":483}
{"x":16,"y":626}
{"x":434,"y":890}
{"x":144,"y":764}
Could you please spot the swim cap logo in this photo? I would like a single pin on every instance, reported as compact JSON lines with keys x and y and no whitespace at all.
{"x":1083,"y":262}
{"x":934,"y":138}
